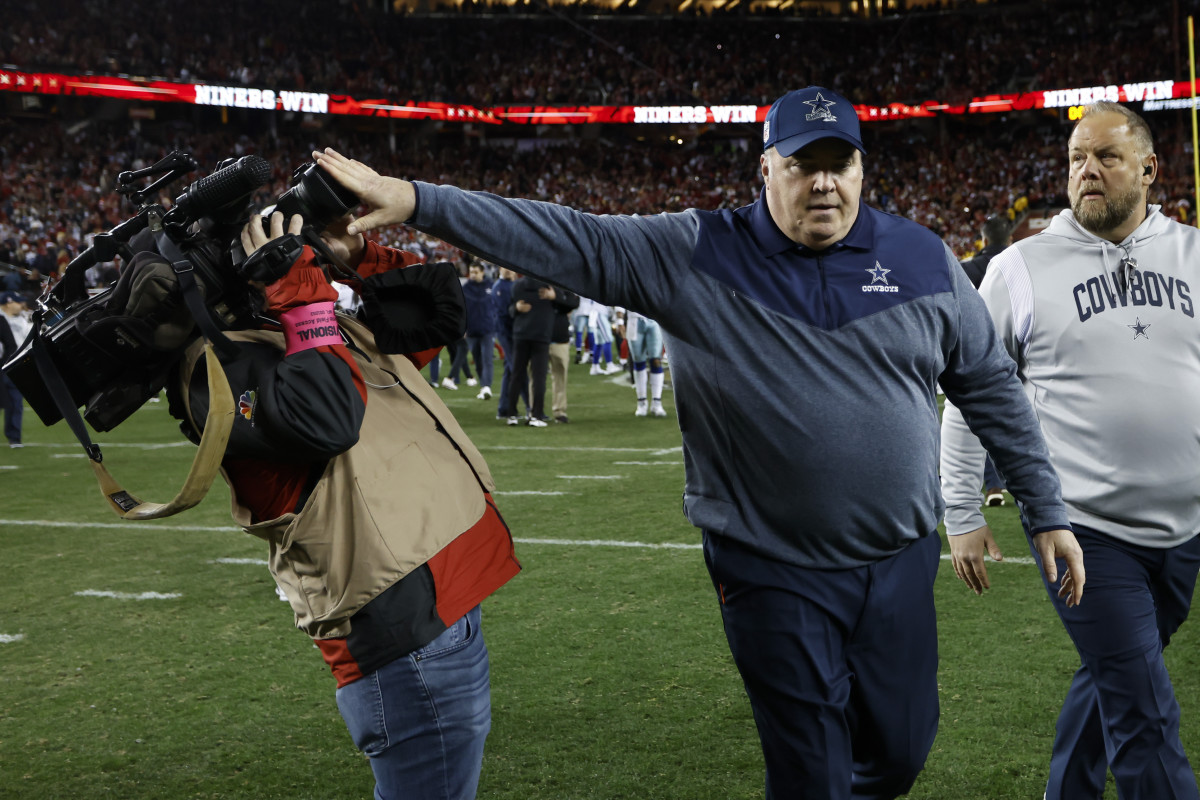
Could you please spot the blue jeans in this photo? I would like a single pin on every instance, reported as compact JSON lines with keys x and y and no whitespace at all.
{"x":423,"y":718}
{"x":481,"y":350}
{"x":1120,"y":714}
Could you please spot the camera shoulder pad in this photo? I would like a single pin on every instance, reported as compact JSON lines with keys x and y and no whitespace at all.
{"x":271,"y":262}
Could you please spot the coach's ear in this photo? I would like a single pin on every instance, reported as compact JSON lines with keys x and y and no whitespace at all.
{"x":1150,"y":170}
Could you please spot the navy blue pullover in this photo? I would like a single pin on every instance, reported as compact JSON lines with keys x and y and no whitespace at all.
{"x":805,"y":381}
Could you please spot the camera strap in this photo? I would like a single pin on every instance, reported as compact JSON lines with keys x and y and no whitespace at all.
{"x":185,"y":274}
{"x":205,"y":464}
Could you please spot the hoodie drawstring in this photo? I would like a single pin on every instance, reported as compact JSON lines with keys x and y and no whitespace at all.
{"x":1127,"y":269}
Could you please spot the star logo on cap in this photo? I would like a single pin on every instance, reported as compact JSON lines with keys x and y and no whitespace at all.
{"x":820,"y":109}
{"x":879,"y":273}
{"x":1139,"y":328}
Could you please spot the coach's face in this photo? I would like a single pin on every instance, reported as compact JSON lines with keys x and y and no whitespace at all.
{"x":813,"y":193}
{"x":1108,"y":179}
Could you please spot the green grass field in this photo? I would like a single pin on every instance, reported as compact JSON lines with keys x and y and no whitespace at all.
{"x":153,"y":659}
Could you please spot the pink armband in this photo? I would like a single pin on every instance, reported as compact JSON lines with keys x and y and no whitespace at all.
{"x":310,"y":326}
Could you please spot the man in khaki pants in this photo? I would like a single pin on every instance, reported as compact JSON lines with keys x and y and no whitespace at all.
{"x":560,"y":352}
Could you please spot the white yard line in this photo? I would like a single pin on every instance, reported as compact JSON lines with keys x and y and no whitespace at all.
{"x":1023,"y":560}
{"x":590,"y":477}
{"x":128,"y":595}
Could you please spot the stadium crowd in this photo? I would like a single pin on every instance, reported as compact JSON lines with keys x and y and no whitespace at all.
{"x":480,"y":55}
{"x":57,"y":175}
{"x":56,"y":187}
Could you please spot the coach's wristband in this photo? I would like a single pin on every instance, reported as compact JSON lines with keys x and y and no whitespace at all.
{"x":305,"y":327}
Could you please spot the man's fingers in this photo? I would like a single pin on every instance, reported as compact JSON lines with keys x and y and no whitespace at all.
{"x":252,"y":234}
{"x":1046,"y":551}
{"x":994,"y":550}
{"x":1074,"y":577}
{"x":972,"y":574}
{"x":367,"y":222}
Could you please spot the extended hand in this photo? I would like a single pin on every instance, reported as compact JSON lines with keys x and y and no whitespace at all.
{"x":966,"y":553}
{"x":1062,"y":544}
{"x":391,"y":200}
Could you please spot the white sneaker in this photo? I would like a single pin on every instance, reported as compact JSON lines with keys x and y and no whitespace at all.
{"x":612,"y":368}
{"x":534,"y":422}
{"x":514,"y":421}
{"x":657,"y":410}
{"x":484,"y":393}
{"x":472,"y":382}
{"x":640,"y":411}
{"x":596,"y":369}
{"x":449,"y":384}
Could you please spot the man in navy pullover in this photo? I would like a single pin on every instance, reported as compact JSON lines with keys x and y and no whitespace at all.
{"x":481,"y":325}
{"x":808,"y":334}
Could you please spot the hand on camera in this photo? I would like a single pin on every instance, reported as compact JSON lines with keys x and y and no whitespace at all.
{"x":304,"y":283}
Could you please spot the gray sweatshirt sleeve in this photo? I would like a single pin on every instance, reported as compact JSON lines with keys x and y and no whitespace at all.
{"x":630,"y":261}
{"x":988,"y":401}
{"x":963,"y":456}
{"x":962,"y":462}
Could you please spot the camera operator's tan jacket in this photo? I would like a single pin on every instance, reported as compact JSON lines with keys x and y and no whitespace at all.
{"x":411,"y":485}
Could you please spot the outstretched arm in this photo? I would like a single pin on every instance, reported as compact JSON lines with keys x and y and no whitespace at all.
{"x":390,"y":200}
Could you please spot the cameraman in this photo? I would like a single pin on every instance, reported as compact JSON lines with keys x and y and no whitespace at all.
{"x":376,"y":507}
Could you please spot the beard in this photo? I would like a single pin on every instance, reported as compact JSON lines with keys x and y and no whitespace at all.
{"x":1116,"y":209}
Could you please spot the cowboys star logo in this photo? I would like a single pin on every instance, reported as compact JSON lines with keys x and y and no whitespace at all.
{"x":878,"y":273}
{"x":879,"y":282}
{"x":820,"y":109}
{"x":1139,"y":328}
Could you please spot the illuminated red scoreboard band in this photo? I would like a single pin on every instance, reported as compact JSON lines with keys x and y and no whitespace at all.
{"x":1154,"y":96}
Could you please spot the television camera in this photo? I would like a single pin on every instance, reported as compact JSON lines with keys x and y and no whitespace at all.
{"x":112,"y":351}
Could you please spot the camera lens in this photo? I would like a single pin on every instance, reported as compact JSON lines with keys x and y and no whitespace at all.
{"x":316,"y":197}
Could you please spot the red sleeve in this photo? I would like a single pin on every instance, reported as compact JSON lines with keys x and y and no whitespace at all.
{"x":377,"y":258}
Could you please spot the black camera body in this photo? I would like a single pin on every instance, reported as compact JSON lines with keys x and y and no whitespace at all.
{"x":111,"y":361}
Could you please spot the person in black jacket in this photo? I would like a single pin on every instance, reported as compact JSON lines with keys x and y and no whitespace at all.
{"x":996,"y":234}
{"x":532,"y":311}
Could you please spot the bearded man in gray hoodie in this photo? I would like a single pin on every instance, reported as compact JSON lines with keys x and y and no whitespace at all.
{"x":1099,"y":315}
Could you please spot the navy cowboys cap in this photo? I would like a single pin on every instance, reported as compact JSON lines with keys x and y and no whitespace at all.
{"x":806,"y":115}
